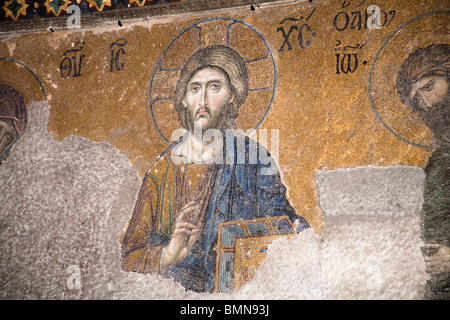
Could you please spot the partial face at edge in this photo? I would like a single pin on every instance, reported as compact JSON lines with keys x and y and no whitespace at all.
{"x":432,"y":97}
{"x":428,"y":91}
{"x":6,"y":135}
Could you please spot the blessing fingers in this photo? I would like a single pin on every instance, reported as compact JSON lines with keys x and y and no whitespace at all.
{"x":186,"y":228}
{"x":187,"y":211}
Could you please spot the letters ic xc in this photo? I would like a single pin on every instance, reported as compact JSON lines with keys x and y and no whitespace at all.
{"x":116,"y":51}
{"x":301,"y":33}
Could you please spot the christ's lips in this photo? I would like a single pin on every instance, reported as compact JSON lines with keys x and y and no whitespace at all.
{"x":202,"y":111}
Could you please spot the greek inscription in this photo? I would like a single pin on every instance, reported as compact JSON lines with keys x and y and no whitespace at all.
{"x":304,"y":44}
{"x":305,"y":34}
{"x":116,"y":51}
{"x":347,"y":62}
{"x":72,"y":62}
{"x":372,"y":18}
{"x":286,"y":37}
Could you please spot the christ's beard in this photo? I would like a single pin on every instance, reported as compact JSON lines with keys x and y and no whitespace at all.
{"x":217,"y":121}
{"x":193,"y":117}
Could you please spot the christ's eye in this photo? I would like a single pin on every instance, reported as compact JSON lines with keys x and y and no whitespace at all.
{"x":215,"y":87}
{"x":194,"y":89}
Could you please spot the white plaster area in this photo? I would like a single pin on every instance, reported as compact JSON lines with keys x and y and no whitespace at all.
{"x":65,"y":203}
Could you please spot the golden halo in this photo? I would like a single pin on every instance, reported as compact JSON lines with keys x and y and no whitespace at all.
{"x":238,"y":35}
{"x":396,"y":117}
{"x":20,"y":77}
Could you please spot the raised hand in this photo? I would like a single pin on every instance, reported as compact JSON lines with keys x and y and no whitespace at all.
{"x":184,"y":236}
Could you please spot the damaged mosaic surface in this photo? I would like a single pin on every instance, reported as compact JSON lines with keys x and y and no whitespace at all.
{"x":173,"y":175}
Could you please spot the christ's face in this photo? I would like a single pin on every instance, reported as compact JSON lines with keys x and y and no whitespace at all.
{"x":207,"y":95}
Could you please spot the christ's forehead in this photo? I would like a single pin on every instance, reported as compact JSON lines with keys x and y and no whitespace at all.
{"x":207,"y":75}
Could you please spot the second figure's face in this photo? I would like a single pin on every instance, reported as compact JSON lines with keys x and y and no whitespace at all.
{"x":428,"y":91}
{"x":207,"y":95}
{"x":432,"y":98}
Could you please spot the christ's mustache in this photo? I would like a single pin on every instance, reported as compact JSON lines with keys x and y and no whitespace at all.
{"x":206,"y":109}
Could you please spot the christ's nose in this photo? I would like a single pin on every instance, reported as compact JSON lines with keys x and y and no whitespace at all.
{"x":202,"y":102}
